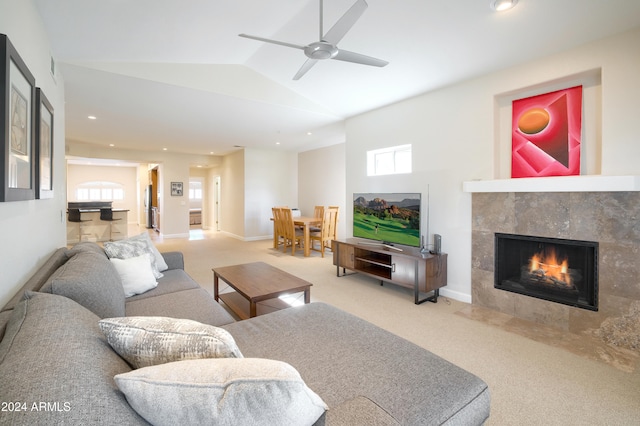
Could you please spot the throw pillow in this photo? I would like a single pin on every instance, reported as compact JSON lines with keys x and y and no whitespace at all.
{"x":91,"y":280}
{"x":160,"y":262}
{"x":136,"y":274}
{"x":145,"y":341}
{"x":225,"y":391}
{"x":124,"y":249}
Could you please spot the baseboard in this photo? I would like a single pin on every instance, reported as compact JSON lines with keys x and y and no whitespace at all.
{"x":175,"y":235}
{"x":455,"y":295}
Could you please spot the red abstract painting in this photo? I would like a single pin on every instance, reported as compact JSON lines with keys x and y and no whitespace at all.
{"x":546,"y":134}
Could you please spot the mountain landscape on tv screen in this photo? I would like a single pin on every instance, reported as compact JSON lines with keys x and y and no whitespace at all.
{"x":387,"y":219}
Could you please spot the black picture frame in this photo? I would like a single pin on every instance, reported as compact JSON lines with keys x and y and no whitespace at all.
{"x":177,"y":189}
{"x":44,"y":146}
{"x":17,"y":124}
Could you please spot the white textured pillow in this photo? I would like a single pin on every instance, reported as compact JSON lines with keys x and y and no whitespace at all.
{"x":224,"y":391}
{"x":145,"y":341}
{"x":136,"y":274}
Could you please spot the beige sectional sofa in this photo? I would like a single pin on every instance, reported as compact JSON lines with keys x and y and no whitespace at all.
{"x":57,"y":367}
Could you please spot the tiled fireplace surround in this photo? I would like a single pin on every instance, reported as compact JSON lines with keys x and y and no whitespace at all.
{"x":610,"y":218}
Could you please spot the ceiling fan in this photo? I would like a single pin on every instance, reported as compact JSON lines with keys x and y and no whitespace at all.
{"x":326,"y":47}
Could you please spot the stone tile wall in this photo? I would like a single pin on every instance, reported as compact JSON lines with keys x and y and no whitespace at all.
{"x":610,"y":218}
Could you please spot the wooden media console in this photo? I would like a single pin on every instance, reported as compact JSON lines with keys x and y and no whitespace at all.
{"x":422,"y":272}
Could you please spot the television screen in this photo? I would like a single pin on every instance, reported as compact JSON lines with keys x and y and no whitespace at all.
{"x":391,"y":218}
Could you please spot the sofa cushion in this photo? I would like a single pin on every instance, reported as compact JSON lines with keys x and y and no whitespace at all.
{"x":172,"y":281}
{"x":136,"y":274}
{"x":54,"y":353}
{"x":352,"y":357}
{"x":124,"y":249}
{"x":83,"y":247}
{"x":224,"y":391}
{"x":194,"y":304}
{"x":92,"y":281}
{"x":360,"y":411}
{"x":146,"y":341}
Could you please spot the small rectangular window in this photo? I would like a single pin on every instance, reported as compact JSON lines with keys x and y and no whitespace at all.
{"x":387,"y":161}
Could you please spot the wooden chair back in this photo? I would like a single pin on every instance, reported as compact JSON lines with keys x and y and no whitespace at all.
{"x":292,"y":237}
{"x":327,"y":230}
{"x":277,"y":225}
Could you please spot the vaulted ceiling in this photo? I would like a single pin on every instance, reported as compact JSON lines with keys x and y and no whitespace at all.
{"x":174,"y":74}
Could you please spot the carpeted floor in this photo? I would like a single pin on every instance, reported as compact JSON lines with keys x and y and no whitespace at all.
{"x":531,"y":383}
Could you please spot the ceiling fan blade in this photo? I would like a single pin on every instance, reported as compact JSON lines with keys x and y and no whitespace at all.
{"x":304,"y":68}
{"x":345,"y":55}
{"x":267,"y":40}
{"x":344,"y":24}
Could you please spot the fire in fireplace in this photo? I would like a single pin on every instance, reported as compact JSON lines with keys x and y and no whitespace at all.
{"x":559,"y":270}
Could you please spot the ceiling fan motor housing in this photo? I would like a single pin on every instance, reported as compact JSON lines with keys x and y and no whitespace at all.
{"x":321,"y":50}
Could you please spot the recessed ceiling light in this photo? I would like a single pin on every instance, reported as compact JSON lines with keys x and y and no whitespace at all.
{"x":92,"y":117}
{"x":112,"y":145}
{"x":277,"y":143}
{"x":501,"y":5}
{"x":164,"y":149}
{"x":309,"y":133}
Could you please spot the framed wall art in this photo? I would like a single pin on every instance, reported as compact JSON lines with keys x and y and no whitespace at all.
{"x":44,"y":146}
{"x":547,"y":134}
{"x":17,"y":112}
{"x":176,"y":189}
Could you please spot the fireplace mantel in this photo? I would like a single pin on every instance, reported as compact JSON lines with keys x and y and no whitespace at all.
{"x":590,"y":183}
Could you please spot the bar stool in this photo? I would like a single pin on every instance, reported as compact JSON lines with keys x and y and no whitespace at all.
{"x":75,"y":216}
{"x":106,"y":215}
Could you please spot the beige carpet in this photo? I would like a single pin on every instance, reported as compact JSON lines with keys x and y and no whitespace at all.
{"x":531,"y":383}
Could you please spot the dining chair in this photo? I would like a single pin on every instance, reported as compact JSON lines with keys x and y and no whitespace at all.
{"x":335,"y":224}
{"x":278,"y":233}
{"x":75,"y":216}
{"x":293,"y":237}
{"x":318,"y":213}
{"x":326,"y":233}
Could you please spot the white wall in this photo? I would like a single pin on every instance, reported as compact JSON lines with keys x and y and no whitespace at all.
{"x":231,"y":173}
{"x":455,"y":133}
{"x":271,"y":179}
{"x":321,"y":179}
{"x":32,"y":230}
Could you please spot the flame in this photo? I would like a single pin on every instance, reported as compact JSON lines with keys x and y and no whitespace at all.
{"x":552,"y":267}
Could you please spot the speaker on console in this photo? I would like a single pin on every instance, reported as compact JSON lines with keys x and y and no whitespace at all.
{"x":437,"y":243}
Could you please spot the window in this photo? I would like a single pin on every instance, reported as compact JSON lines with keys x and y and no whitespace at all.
{"x":195,"y":190}
{"x":100,"y":191}
{"x":387,"y":161}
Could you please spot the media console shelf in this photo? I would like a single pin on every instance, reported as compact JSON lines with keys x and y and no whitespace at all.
{"x":422,"y":272}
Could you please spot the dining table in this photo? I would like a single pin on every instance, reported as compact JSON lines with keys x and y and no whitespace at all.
{"x":306,"y":222}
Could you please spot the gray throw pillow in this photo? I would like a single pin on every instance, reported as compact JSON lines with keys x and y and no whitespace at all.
{"x":160,"y":262}
{"x":146,"y":341}
{"x":92,"y":281}
{"x":125,"y":249}
{"x":222,"y":391}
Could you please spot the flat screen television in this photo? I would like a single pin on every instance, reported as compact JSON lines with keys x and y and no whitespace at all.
{"x":389,"y":218}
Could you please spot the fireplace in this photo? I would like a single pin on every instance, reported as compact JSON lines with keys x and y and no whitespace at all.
{"x":558,"y":270}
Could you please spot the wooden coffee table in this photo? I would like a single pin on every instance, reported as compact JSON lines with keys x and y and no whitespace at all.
{"x":254,"y":283}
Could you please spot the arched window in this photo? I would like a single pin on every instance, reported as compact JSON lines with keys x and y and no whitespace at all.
{"x":100,"y":191}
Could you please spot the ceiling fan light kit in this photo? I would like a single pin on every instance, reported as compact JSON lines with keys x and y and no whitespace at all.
{"x":502,"y":5}
{"x":327,"y":46}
